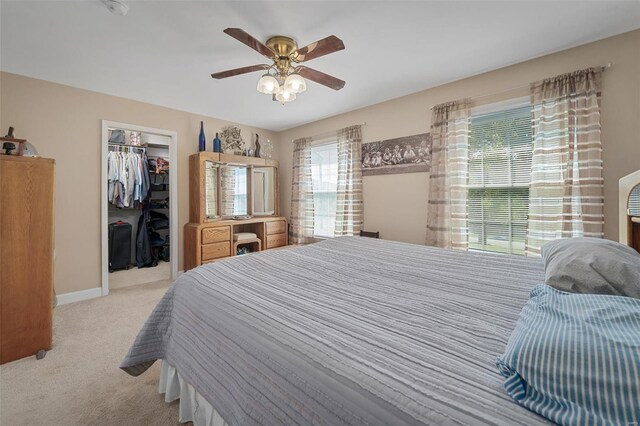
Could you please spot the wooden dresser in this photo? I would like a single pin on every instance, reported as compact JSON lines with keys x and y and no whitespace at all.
{"x":211,"y":241}
{"x":26,"y":255}
{"x":219,"y":184}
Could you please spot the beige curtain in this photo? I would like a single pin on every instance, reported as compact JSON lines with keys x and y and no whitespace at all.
{"x":302,"y":212}
{"x":566,"y":192}
{"x":227,"y":191}
{"x":349,"y":206}
{"x":447,"y":214}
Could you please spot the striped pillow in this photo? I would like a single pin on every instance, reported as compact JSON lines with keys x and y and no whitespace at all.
{"x":575,"y":358}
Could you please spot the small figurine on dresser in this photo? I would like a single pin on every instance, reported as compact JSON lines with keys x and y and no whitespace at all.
{"x":257,"y":153}
{"x":24,"y":148}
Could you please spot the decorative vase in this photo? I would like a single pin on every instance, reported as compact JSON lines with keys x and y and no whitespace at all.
{"x":217,"y":145}
{"x":202,"y":146}
{"x":257,"y":153}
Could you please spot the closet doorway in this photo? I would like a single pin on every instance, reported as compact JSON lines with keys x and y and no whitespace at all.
{"x":139,"y":214}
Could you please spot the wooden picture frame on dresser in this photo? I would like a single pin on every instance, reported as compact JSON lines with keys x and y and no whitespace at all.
{"x":209,"y":237}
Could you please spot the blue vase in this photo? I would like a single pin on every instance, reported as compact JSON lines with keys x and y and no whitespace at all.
{"x":217,"y":147}
{"x":202,"y":145}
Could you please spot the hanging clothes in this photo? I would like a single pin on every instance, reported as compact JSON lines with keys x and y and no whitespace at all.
{"x":144,"y":252}
{"x":128,"y":176}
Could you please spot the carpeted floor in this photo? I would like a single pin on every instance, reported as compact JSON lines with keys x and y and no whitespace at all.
{"x":79,"y":382}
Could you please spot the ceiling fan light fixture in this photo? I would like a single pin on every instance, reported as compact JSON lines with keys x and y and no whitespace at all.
{"x":284,"y":78}
{"x":268,"y":85}
{"x":295,"y":83}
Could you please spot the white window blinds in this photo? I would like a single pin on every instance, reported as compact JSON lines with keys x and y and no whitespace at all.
{"x":500,"y":149}
{"x":324,"y":172}
{"x":633,"y":204}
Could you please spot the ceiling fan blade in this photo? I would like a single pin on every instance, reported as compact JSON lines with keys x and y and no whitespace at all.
{"x":320,"y":77}
{"x":319,"y":48}
{"x":250,"y":41}
{"x":238,"y":71}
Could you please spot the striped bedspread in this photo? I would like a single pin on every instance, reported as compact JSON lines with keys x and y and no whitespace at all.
{"x":348,"y":331}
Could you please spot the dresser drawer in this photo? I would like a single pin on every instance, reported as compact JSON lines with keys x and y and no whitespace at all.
{"x":276,"y":240}
{"x":276,"y":227}
{"x":216,"y":250}
{"x":214,"y":235}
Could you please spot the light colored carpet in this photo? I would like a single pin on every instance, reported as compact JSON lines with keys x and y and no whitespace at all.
{"x":135,"y":276}
{"x":79,"y":382}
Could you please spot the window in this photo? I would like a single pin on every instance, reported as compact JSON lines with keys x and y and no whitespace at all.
{"x":500,"y":150}
{"x":324,"y":173}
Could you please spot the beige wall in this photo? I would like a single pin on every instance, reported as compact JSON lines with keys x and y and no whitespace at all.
{"x":396,"y":205}
{"x":64,"y":123}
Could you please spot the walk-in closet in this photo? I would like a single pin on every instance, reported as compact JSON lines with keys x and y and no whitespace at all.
{"x":139,"y":205}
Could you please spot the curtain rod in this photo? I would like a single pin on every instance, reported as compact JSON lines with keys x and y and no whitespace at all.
{"x":513,"y":89}
{"x":332,"y":132}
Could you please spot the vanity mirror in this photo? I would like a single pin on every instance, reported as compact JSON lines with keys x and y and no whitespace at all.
{"x":264,"y":191}
{"x":234,"y":190}
{"x":211,"y":189}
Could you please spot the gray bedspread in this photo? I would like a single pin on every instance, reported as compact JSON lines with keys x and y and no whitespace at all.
{"x":348,"y":331}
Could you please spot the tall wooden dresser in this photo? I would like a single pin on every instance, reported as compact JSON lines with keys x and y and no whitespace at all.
{"x":26,"y":255}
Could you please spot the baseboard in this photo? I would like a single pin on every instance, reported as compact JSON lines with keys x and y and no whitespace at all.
{"x":77,"y":296}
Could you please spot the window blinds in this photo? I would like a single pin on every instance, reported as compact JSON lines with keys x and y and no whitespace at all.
{"x":500,"y":149}
{"x":324,"y":172}
{"x":633,"y":204}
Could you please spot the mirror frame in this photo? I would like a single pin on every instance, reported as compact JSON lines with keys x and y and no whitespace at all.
{"x":197,"y":184}
{"x":275,"y":191}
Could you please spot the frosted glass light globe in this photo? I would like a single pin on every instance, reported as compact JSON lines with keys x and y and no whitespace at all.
{"x":285,"y":95}
{"x":295,"y":84}
{"x":268,"y":84}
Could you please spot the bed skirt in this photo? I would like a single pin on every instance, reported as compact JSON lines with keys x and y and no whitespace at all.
{"x":193,"y":407}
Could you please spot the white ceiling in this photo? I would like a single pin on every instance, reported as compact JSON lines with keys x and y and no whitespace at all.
{"x":164,"y":52}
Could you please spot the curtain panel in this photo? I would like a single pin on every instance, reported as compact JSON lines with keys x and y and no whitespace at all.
{"x":566,"y":193}
{"x":302,"y":210}
{"x":349,"y":204}
{"x":447,"y":212}
{"x":227,"y":191}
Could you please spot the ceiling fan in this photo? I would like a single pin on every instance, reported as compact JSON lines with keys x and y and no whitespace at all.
{"x":285,"y":78}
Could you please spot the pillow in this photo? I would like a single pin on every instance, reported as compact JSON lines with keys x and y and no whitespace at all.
{"x":592,"y":265}
{"x":575,"y":358}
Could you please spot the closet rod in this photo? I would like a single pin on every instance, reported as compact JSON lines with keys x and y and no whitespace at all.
{"x":120,"y":145}
{"x":513,"y":89}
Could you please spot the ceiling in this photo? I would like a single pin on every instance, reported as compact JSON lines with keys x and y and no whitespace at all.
{"x":163,"y":52}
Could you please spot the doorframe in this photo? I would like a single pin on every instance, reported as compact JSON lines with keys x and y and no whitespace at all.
{"x":173,"y":195}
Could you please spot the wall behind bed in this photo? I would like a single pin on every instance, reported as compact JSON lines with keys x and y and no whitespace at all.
{"x":396,"y":205}
{"x":64,"y":123}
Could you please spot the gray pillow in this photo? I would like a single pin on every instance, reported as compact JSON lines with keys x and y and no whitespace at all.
{"x":592,"y":265}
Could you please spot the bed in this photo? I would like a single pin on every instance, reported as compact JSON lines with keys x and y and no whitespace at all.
{"x":347,"y":331}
